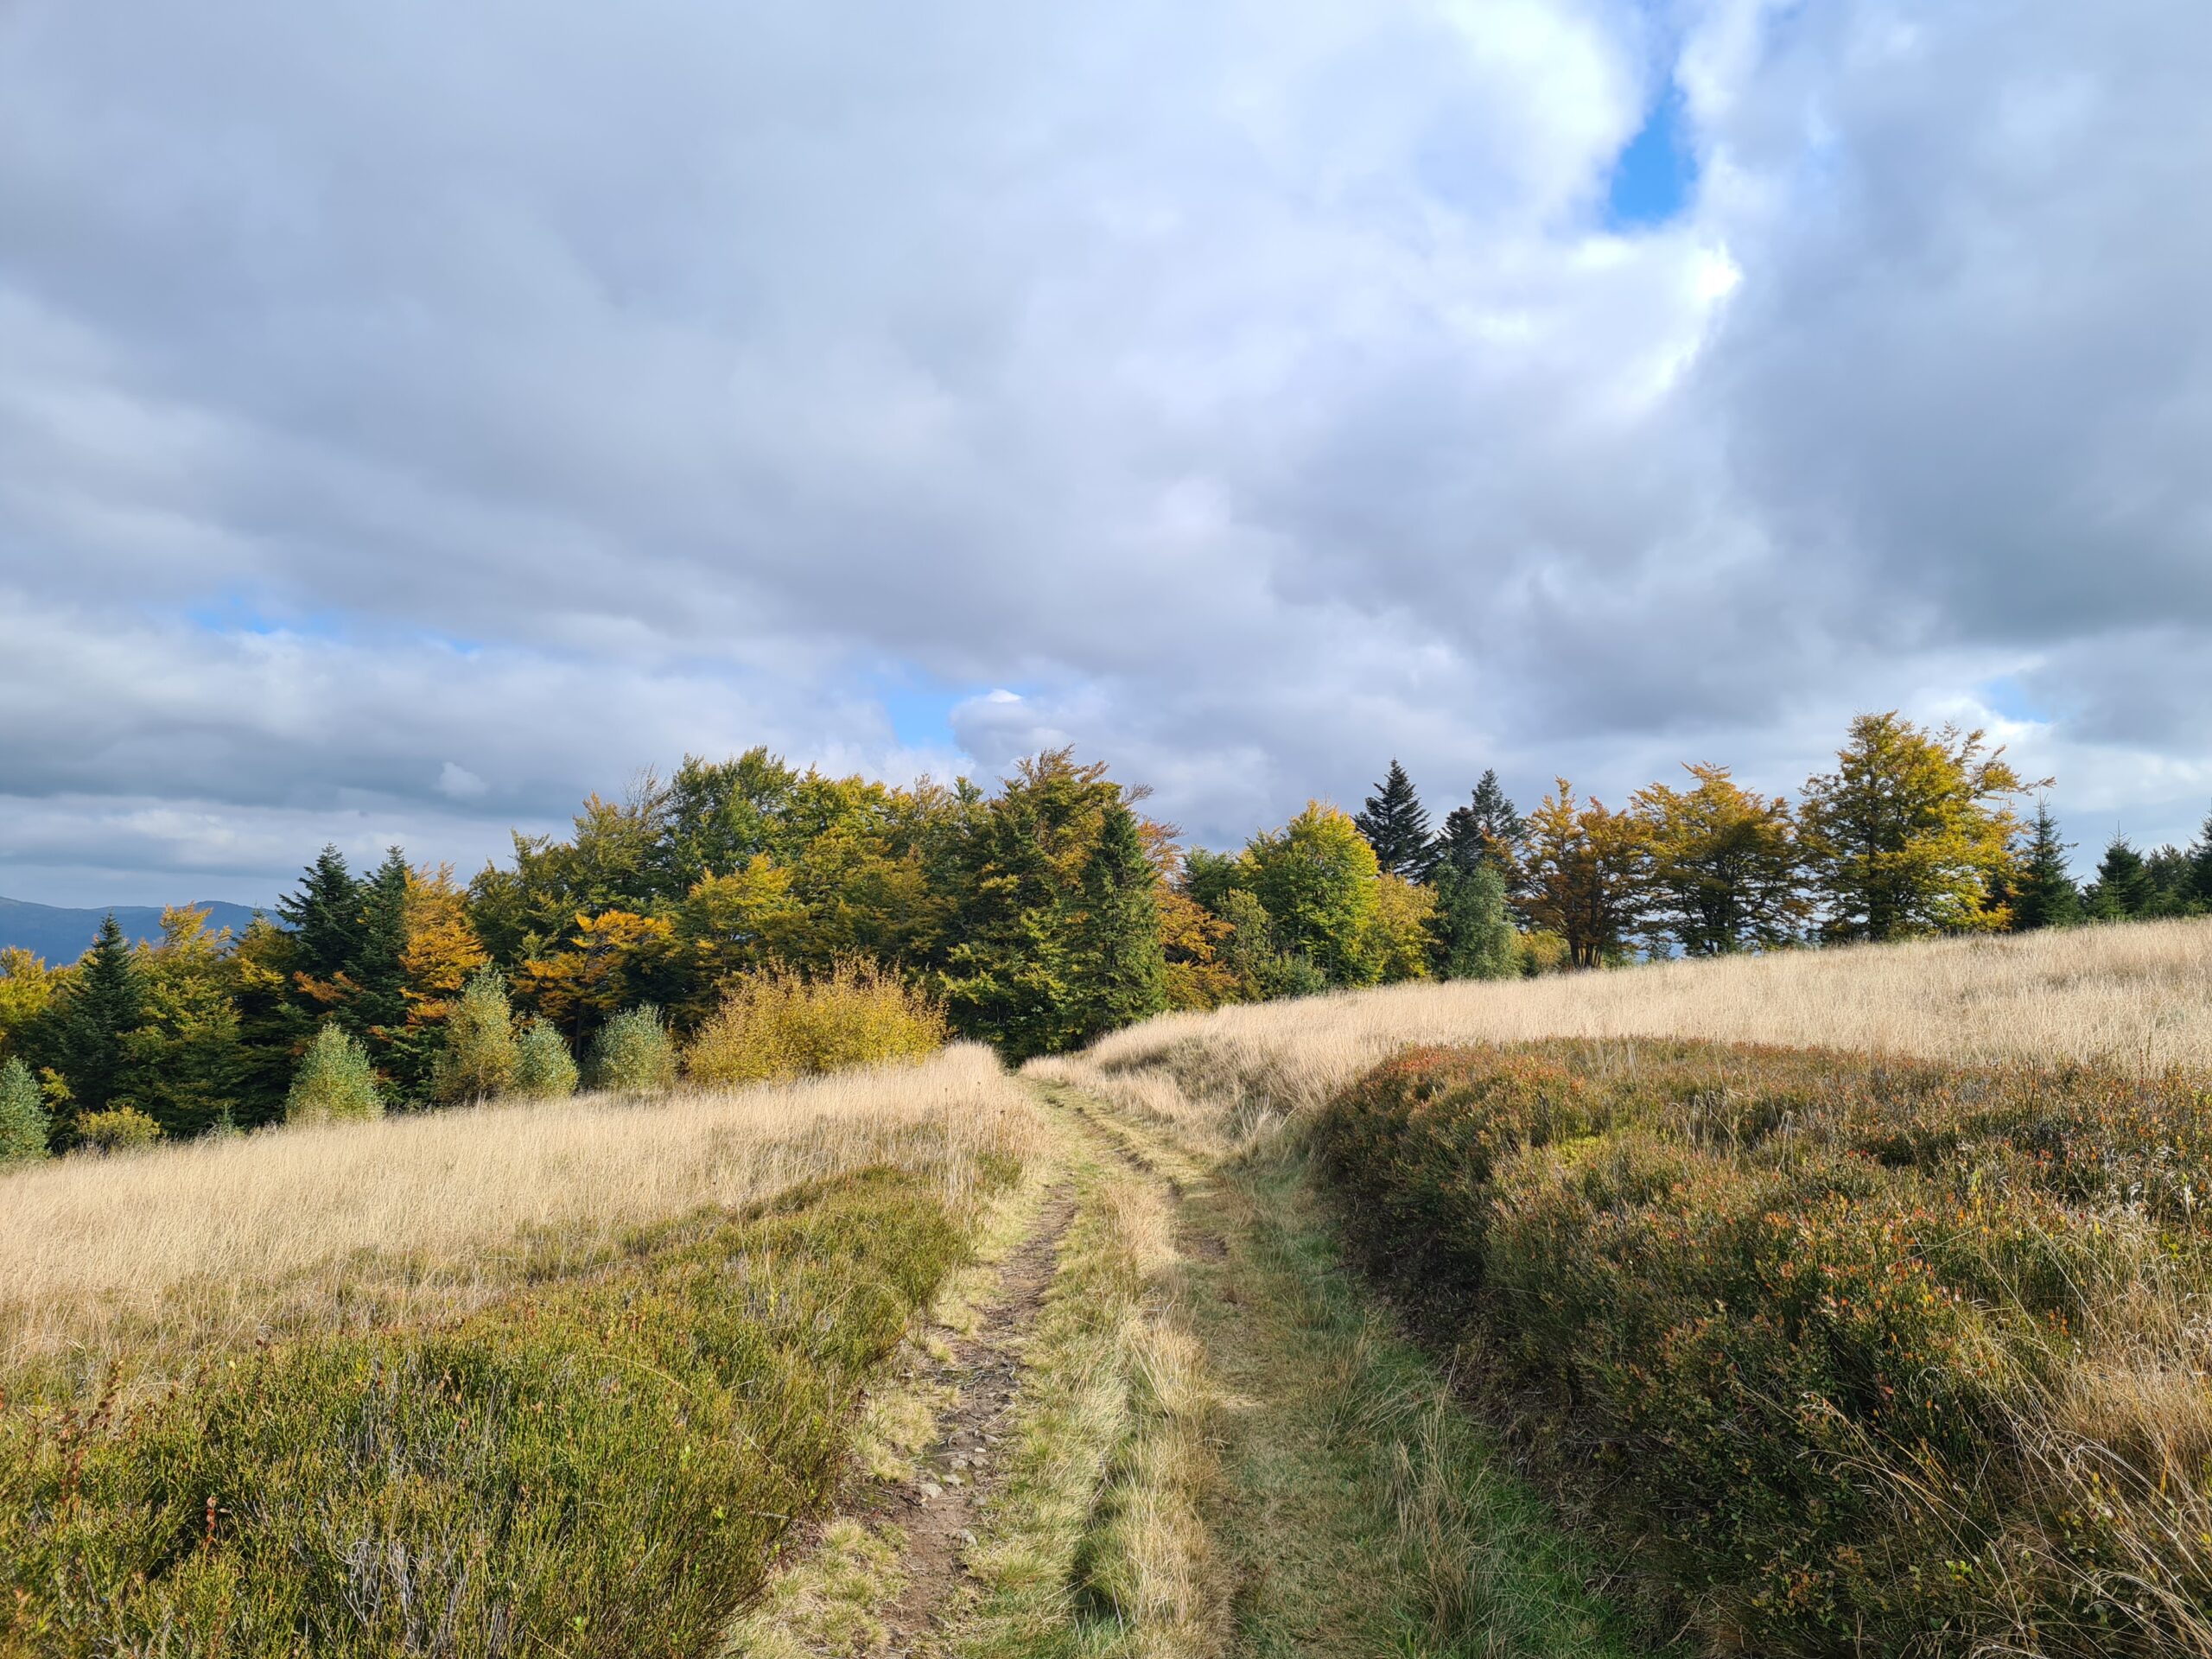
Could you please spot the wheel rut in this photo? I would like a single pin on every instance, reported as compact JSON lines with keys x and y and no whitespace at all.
{"x":939,"y":1510}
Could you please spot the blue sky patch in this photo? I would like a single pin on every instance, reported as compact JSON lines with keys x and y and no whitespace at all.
{"x":1654,"y":176}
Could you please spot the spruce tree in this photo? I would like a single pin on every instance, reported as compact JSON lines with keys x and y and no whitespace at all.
{"x":2043,"y":893}
{"x":1487,"y":830}
{"x":1121,"y":971}
{"x":323,"y":919}
{"x":2122,"y":890}
{"x":88,"y":1023}
{"x":1396,"y":827}
{"x":375,"y":1009}
{"x":2199,"y":868}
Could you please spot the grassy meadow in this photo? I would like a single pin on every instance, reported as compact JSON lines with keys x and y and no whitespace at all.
{"x":557,"y":1378}
{"x":1891,"y":1340}
{"x":1833,"y":1303}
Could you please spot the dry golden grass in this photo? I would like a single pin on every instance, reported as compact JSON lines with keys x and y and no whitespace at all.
{"x":2137,"y":997}
{"x":174,"y":1248}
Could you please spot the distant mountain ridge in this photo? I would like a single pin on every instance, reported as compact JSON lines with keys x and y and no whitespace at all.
{"x":61,"y":935}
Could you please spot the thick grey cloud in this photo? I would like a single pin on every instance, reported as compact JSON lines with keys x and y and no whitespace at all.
{"x":411,"y":418}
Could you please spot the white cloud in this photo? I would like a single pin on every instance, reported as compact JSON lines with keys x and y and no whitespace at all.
{"x":1253,"y":386}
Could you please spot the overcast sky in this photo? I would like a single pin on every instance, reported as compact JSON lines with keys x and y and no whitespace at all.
{"x":414,"y":416}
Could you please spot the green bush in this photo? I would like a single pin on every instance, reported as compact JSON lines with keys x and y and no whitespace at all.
{"x":1812,"y":1313}
{"x":605,"y":1465}
{"x":634,"y":1054}
{"x":26,"y":1127}
{"x":334,"y":1080}
{"x":544,"y":1069}
{"x":119,"y":1128}
{"x":477,"y":1061}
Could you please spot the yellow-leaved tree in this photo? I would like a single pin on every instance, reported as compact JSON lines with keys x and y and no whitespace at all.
{"x":1913,"y":832}
{"x":1726,"y":870}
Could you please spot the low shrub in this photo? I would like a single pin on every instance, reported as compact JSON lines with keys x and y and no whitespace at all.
{"x":1860,"y":1347}
{"x":633,"y":1053}
{"x":779,"y":1024}
{"x":334,"y":1080}
{"x":119,"y":1128}
{"x":26,"y":1126}
{"x":544,"y":1069}
{"x":603,"y":1464}
{"x":477,"y":1059}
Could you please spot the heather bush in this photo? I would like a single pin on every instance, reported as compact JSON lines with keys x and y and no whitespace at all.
{"x":779,"y":1024}
{"x":634,"y":1054}
{"x":605,"y":1463}
{"x":544,"y":1069}
{"x":334,"y":1080}
{"x":1862,"y":1349}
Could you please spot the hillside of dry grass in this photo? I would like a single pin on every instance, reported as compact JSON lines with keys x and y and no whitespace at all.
{"x":1889,"y":1340}
{"x":559,"y":1377}
{"x":2134,"y":998}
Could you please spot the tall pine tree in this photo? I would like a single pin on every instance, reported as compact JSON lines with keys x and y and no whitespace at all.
{"x":2200,"y":868}
{"x":375,"y":1009}
{"x":85,"y":1027}
{"x":1396,"y":827}
{"x":323,"y":919}
{"x":2042,"y":893}
{"x":2123,"y":889}
{"x":1487,"y":830}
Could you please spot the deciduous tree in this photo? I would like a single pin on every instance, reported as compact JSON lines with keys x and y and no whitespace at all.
{"x":1472,"y":929}
{"x":1912,"y":834}
{"x":1316,"y":878}
{"x":1725,"y":871}
{"x":1586,"y":870}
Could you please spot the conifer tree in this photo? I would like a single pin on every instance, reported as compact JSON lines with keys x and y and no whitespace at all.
{"x":1396,"y":827}
{"x":1122,"y":971}
{"x":2042,"y":892}
{"x":1016,"y":977}
{"x":2199,"y":868}
{"x":323,"y":919}
{"x":26,"y":1127}
{"x":87,"y":1025}
{"x":2123,"y":889}
{"x":375,"y":1009}
{"x":1486,"y":830}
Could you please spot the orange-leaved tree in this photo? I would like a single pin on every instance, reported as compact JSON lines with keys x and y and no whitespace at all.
{"x":1584,"y":867}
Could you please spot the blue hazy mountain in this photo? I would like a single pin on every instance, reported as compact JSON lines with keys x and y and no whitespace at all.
{"x":61,"y":935}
